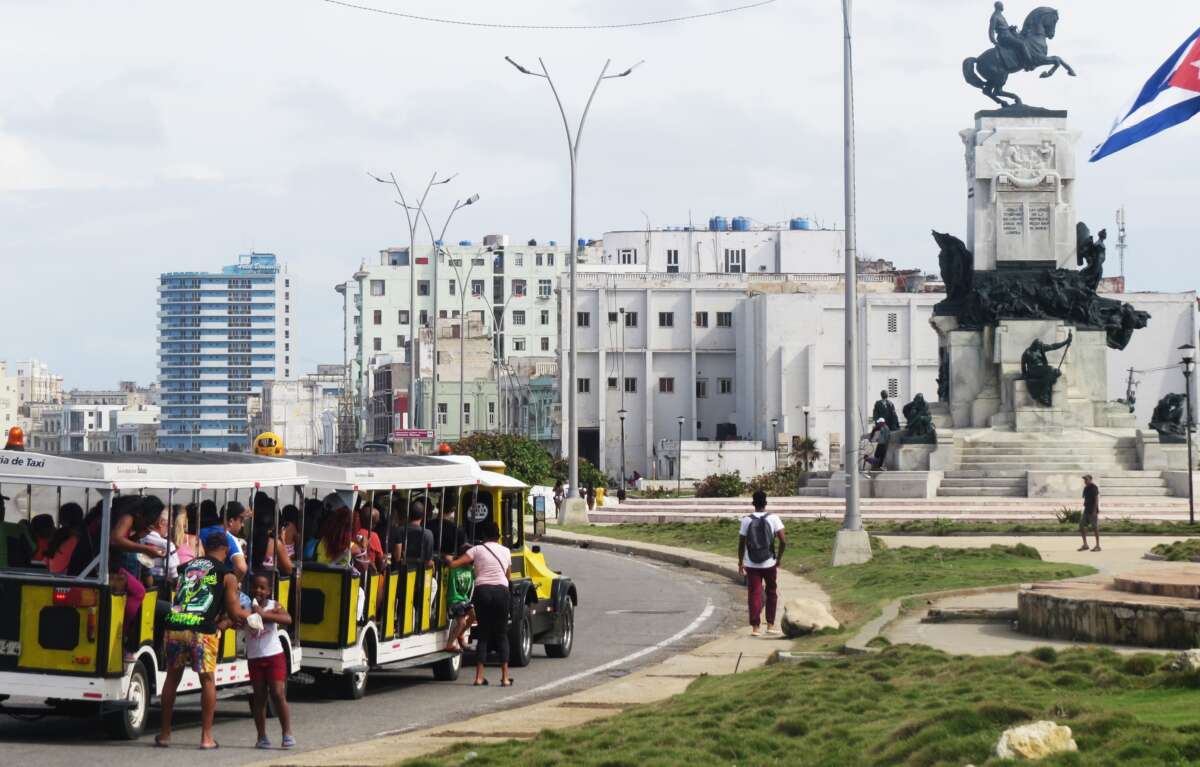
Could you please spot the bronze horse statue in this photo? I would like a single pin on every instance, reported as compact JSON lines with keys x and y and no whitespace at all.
{"x":1015,"y":52}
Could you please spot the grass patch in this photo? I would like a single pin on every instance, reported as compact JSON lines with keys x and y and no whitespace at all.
{"x":1108,"y":526}
{"x":1179,"y":551}
{"x":906,"y":705}
{"x":858,"y":591}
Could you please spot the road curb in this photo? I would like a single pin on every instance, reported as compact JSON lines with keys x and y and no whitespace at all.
{"x":659,"y":553}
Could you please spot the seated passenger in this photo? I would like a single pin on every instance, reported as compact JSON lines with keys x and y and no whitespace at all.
{"x":16,"y":545}
{"x":210,"y":523}
{"x":267,"y":542}
{"x":157,"y":536}
{"x":418,"y":542}
{"x":62,"y":544}
{"x":370,"y":553}
{"x":336,"y":545}
{"x":314,"y":518}
{"x":41,"y":528}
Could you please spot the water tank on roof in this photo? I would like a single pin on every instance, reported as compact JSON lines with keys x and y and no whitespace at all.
{"x":553,"y":244}
{"x":799,"y":225}
{"x":581,"y":242}
{"x":718,"y":224}
{"x":439,"y":243}
{"x":464,"y":243}
{"x":532,"y":243}
{"x":741,"y":224}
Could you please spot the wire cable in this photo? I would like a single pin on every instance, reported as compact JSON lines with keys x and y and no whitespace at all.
{"x":497,"y":25}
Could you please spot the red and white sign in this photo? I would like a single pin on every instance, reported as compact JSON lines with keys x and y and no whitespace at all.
{"x":412,"y":434}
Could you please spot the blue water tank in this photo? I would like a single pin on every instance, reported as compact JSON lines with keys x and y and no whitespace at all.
{"x":799,"y":225}
{"x":718,"y":224}
{"x":464,"y":243}
{"x":439,"y":243}
{"x":582,"y":242}
{"x":741,"y":224}
{"x":553,"y":244}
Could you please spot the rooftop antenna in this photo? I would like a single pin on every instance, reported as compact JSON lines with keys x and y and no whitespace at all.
{"x":1121,"y":243}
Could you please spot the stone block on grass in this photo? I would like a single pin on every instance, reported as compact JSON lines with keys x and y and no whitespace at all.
{"x":802,"y":617}
{"x":1035,"y":741}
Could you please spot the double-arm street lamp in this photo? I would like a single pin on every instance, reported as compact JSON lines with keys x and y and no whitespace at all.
{"x":775,"y":440}
{"x":412,"y":215}
{"x":679,"y":457}
{"x":1188,"y":361}
{"x":621,"y":414}
{"x":573,"y":153}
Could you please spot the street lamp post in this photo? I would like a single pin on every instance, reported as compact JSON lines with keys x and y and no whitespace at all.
{"x":573,"y":153}
{"x":805,"y":410}
{"x":679,"y":458}
{"x":1189,"y":359}
{"x":621,"y":414}
{"x":775,"y":440}
{"x":413,"y":222}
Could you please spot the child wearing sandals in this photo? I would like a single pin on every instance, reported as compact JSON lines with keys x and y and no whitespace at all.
{"x":267,"y":660}
{"x":461,"y":584}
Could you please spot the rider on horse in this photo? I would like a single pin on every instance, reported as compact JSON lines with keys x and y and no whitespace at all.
{"x":1010,"y":45}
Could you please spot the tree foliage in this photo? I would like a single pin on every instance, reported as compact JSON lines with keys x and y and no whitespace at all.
{"x":721,"y":486}
{"x":524,"y":458}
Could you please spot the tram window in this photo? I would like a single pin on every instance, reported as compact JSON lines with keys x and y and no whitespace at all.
{"x":479,"y":509}
{"x":510,"y":511}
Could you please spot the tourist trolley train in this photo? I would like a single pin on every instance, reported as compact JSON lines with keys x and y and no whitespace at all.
{"x":354,"y":622}
{"x":61,"y":636}
{"x":64,"y":645}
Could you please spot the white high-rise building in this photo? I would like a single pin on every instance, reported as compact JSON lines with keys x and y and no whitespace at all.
{"x":222,"y":335}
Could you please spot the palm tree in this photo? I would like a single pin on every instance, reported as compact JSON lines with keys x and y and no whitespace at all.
{"x":807,"y":451}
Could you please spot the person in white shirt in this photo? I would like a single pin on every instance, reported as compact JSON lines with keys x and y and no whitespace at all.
{"x":157,"y":536}
{"x":267,"y":661}
{"x":760,"y":550}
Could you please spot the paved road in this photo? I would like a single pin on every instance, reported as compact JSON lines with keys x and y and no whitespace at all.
{"x":627,"y":607}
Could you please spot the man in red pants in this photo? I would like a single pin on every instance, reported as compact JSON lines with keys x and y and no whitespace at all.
{"x":758,"y":561}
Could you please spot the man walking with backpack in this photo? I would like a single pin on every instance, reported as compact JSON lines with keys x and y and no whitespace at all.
{"x":758,"y":561}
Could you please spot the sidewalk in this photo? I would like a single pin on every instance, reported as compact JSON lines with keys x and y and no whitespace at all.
{"x":735,"y":652}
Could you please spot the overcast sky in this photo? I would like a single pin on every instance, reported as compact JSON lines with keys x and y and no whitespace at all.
{"x":148,"y":136}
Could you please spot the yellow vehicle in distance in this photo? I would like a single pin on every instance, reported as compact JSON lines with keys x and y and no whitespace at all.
{"x":269,"y":444}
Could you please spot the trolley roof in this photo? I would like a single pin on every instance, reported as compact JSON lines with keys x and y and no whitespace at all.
{"x":127,"y":471}
{"x":384,"y":471}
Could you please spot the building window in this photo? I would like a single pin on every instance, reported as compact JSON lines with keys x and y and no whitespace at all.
{"x":423,"y":318}
{"x":545,"y":344}
{"x":518,"y":259}
{"x":377,"y":287}
{"x":724,"y":319}
{"x":893,"y":322}
{"x":672,"y":261}
{"x":666,"y":319}
{"x":583,"y":385}
{"x":701,"y":388}
{"x":377,"y":316}
{"x":735,"y":260}
{"x":893,"y":387}
{"x":539,"y":259}
{"x":466,"y":414}
{"x":612,"y":317}
{"x":453,"y":288}
{"x":583,"y":320}
{"x":402,"y":316}
{"x":377,"y":344}
{"x":518,"y":344}
{"x":631,"y":386}
{"x":422,"y":287}
{"x":666,"y":386}
{"x":518,"y":317}
{"x":549,"y":259}
{"x":443,"y":413}
{"x":627,"y":256}
{"x":476,"y":287}
{"x":631,"y":319}
{"x":725,"y":385}
{"x":518,"y":288}
{"x":491,"y":413}
{"x":701,"y":319}
{"x":545,"y":288}
{"x":400,"y":341}
{"x":612,"y":382}
{"x":544,"y":318}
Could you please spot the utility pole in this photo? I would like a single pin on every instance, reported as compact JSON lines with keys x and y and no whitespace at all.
{"x":1121,"y":242}
{"x":576,"y":513}
{"x":853,"y":545}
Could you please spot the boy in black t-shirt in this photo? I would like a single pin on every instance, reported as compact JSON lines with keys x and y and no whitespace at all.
{"x":1091,"y":512}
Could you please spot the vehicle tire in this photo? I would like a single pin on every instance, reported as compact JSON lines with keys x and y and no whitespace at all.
{"x":566,"y":632}
{"x":129,"y":723}
{"x":352,"y":685}
{"x":447,"y":670}
{"x":520,"y":640}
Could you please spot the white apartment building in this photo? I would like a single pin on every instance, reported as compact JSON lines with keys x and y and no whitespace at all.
{"x":10,"y":400}
{"x":304,"y":412}
{"x":748,"y":249}
{"x":36,"y":383}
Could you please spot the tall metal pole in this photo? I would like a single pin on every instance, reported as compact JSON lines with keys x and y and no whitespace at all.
{"x":679,"y":460}
{"x":1187,"y":382}
{"x":852,"y":519}
{"x":573,"y":152}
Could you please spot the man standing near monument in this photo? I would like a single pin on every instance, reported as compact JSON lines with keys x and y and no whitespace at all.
{"x":1091,"y":512}
{"x":886,"y":410}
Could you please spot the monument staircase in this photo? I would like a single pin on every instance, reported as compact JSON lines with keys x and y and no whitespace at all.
{"x":995,"y":467}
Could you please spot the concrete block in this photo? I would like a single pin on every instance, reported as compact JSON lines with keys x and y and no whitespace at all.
{"x":906,"y":484}
{"x":574,"y":512}
{"x":852,"y":547}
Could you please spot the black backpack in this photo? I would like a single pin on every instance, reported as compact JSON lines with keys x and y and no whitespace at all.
{"x":760,"y":541}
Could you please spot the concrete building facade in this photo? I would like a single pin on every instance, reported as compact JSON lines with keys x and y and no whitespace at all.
{"x":303,"y":412}
{"x":221,"y":336}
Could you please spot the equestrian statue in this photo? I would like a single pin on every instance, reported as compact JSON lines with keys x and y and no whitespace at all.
{"x":1014,"y":51}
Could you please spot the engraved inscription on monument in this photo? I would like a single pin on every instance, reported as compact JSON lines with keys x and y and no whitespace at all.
{"x":1039,"y":218}
{"x":1012,"y":219}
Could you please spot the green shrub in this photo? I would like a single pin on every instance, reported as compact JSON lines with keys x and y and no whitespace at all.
{"x":1045,"y":654}
{"x":1140,"y":665}
{"x":658,"y":492}
{"x":1179,"y":551}
{"x":721,"y":486}
{"x":1068,"y":516}
{"x":784,"y":481}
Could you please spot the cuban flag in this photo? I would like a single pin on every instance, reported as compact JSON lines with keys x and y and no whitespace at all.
{"x":1169,"y":97}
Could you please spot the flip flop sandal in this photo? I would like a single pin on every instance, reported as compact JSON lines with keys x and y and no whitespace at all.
{"x":161,"y":743}
{"x":484,"y":683}
{"x":509,"y":683}
{"x":213,"y":747}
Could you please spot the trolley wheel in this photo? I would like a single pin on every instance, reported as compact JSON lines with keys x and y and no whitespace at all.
{"x":352,"y":685}
{"x":566,"y":632}
{"x":130,"y":722}
{"x":447,"y":670}
{"x":520,"y":640}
